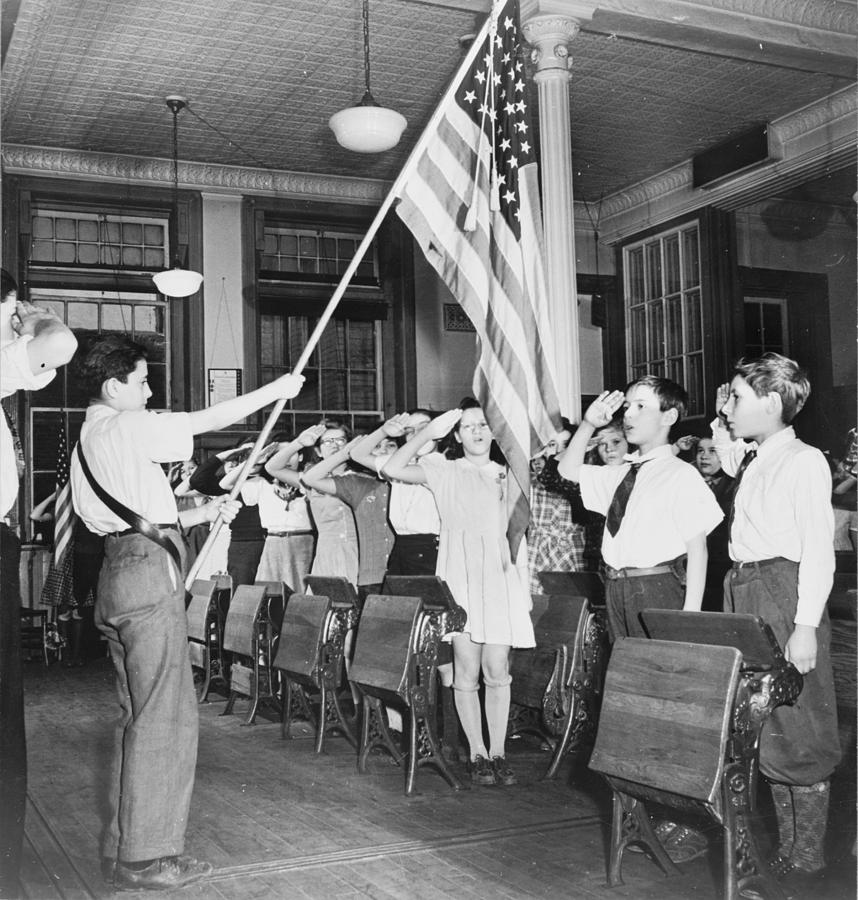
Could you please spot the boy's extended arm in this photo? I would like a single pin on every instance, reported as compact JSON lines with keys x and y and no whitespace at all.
{"x":695,"y":574}
{"x":399,"y":466}
{"x":221,"y":415}
{"x":364,"y":446}
{"x":319,"y":476}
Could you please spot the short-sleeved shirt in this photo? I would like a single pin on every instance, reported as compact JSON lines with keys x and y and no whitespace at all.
{"x":15,"y":375}
{"x":670,"y":505}
{"x":124,"y":451}
{"x":367,"y":497}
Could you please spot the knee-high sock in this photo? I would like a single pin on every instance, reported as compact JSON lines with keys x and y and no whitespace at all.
{"x":470,"y":715}
{"x":449,"y":717}
{"x":497,"y":716}
{"x":811,"y":818}
{"x":785,"y":815}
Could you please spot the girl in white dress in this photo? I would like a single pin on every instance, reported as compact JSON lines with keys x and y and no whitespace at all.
{"x":474,"y":559}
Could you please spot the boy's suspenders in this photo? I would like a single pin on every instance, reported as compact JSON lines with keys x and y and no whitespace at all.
{"x":137,"y":522}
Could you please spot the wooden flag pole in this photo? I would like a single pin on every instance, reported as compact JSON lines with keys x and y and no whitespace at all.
{"x":315,"y":337}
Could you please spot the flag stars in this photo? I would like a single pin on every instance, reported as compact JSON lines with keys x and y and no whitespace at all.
{"x":525,"y":147}
{"x":496,"y":79}
{"x":508,"y":23}
{"x":509,"y":196}
{"x":470,"y":97}
{"x":505,"y":144}
{"x":519,"y":85}
{"x":520,"y":106}
{"x":480,"y":76}
{"x":521,"y":126}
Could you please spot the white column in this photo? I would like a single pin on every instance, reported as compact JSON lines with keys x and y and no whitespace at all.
{"x":549,"y":35}
{"x":224,"y":323}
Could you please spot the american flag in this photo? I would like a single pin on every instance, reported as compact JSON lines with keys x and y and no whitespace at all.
{"x":57,"y":590}
{"x":472,"y":204}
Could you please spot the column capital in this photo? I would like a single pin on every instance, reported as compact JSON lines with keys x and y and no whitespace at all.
{"x":549,"y":28}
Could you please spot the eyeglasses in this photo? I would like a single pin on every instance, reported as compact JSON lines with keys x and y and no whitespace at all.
{"x":476,"y":426}
{"x":340,"y":440}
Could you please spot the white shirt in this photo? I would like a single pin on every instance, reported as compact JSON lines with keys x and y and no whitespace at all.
{"x":670,"y":505}
{"x":15,"y":375}
{"x":124,"y":451}
{"x":783,"y":508}
{"x":411,"y":508}
{"x":275,"y":513}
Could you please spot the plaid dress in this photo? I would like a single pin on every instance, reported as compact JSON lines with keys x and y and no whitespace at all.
{"x":556,"y":537}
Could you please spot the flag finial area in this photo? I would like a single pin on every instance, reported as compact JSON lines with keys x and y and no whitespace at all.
{"x":472,"y":197}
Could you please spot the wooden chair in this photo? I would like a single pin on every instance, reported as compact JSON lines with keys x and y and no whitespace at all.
{"x":556,"y":686}
{"x":209,"y":599}
{"x":395,"y":663}
{"x":666,"y":735}
{"x":310,"y":657}
{"x":251,"y":632}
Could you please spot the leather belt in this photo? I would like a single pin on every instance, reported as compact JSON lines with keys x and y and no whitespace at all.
{"x":613,"y":574}
{"x":762,"y":563}
{"x":170,"y":526}
{"x":288,"y":533}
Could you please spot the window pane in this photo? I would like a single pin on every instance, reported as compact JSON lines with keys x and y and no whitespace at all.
{"x":309,"y":396}
{"x":638,"y":342}
{"x":362,"y":345}
{"x":671,"y":262}
{"x":694,"y":385}
{"x":753,"y":324}
{"x":332,"y":346}
{"x":655,"y":329}
{"x":691,"y":258}
{"x":636,"y":275}
{"x":653,"y":269}
{"x":149,"y":319}
{"x":693,"y":322}
{"x":334,"y":391}
{"x":362,"y":391}
{"x":674,"y":370}
{"x":116,"y":317}
{"x":673,"y":312}
{"x":773,"y":327}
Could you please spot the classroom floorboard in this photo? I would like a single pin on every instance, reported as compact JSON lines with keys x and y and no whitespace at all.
{"x":278,"y":821}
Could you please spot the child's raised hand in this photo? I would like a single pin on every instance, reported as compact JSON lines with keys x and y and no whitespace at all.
{"x":687,"y":442}
{"x":441,"y":425}
{"x":601,"y":410}
{"x":310,"y":435}
{"x":722,"y":395}
{"x":395,"y":426}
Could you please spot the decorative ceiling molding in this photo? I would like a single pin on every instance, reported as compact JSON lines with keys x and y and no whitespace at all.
{"x":811,"y":141}
{"x":53,"y":162}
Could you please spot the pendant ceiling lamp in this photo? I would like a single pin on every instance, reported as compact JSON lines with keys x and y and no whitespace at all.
{"x":368,"y":127}
{"x":177,"y":282}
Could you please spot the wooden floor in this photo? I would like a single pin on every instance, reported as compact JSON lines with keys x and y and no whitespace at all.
{"x":276,"y":820}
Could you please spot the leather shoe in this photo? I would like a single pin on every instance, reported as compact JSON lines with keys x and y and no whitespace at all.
{"x":108,"y":869}
{"x":161,"y":874}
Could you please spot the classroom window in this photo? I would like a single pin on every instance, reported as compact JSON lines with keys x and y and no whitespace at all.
{"x":664,"y":314}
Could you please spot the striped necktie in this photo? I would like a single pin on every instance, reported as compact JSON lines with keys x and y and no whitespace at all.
{"x":620,"y":500}
{"x":747,"y":459}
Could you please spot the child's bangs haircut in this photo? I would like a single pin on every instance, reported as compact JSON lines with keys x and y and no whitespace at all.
{"x":670,"y":394}
{"x":774,"y":373}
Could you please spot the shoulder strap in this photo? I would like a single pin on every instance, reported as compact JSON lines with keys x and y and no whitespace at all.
{"x":138,"y":523}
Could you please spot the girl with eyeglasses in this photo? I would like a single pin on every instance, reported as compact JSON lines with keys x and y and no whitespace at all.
{"x":474,"y":559}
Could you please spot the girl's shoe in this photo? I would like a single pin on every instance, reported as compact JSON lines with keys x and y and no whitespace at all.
{"x":481,"y":771}
{"x":503,"y":773}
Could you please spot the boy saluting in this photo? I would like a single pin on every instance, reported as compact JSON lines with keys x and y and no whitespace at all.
{"x":658,"y":508}
{"x":141,"y":602}
{"x":782,"y":547}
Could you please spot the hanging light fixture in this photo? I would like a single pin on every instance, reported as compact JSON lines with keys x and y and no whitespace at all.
{"x":367,"y":128}
{"x":177,"y":282}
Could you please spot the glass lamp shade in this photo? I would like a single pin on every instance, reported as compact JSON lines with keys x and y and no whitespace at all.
{"x":178,"y":282}
{"x":367,"y":129}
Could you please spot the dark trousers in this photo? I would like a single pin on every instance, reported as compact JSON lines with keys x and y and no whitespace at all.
{"x":13,"y":749}
{"x":800,"y":744}
{"x":141,"y":611}
{"x":242,"y":560}
{"x":626,"y":598}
